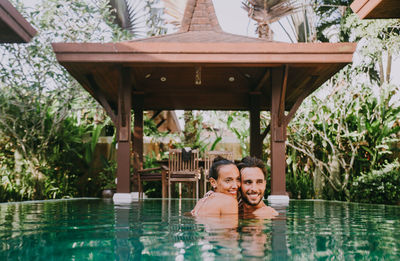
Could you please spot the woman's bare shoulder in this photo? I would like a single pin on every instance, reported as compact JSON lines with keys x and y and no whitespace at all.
{"x":219,"y":204}
{"x":227,"y":204}
{"x":223,"y":196}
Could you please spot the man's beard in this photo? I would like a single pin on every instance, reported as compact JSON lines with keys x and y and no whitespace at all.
{"x":246,"y":201}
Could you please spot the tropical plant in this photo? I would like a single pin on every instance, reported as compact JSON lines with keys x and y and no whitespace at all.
{"x":238,"y":123}
{"x":152,"y":189}
{"x":379,"y":44}
{"x":45,"y":114}
{"x":332,"y":16}
{"x":192,"y":132}
{"x":339,"y":135}
{"x":299,"y":25}
{"x":173,"y":10}
{"x":108,"y":174}
{"x":378,"y":186}
{"x":299,"y":181}
{"x":265,"y":12}
{"x":346,"y":133}
{"x":140,"y":18}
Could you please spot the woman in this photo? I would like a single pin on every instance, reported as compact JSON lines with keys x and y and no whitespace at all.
{"x":224,"y":178}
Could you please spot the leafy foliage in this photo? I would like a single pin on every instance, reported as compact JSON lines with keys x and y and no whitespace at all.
{"x":378,"y":186}
{"x":332,"y":15}
{"x":346,"y":133}
{"x":349,"y":127}
{"x":48,"y":124}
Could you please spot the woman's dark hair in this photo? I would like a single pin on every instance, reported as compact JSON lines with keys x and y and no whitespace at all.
{"x":218,"y":162}
{"x":252,"y":162}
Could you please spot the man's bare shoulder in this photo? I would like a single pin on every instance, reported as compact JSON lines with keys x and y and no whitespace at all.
{"x":265,"y":212}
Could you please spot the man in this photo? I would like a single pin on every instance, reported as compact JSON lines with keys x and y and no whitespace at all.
{"x":253,"y":181}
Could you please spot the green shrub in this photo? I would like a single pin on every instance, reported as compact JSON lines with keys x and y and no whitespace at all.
{"x":378,"y":186}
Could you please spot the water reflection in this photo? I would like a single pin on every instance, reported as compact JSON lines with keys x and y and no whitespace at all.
{"x":336,"y":230}
{"x":157,"y":229}
{"x":220,"y":236}
{"x":125,"y":247}
{"x":248,"y":239}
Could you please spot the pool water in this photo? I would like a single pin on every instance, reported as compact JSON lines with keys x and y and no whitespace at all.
{"x":96,"y":229}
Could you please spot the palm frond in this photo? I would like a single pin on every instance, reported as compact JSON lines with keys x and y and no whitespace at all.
{"x":174,"y":9}
{"x":141,"y":18}
{"x":269,"y":11}
{"x":300,"y":24}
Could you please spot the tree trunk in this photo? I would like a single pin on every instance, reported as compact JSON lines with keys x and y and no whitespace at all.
{"x":388,"y":66}
{"x":335,"y":170}
{"x":264,"y":31}
{"x":318,"y":182}
{"x":190,"y":130}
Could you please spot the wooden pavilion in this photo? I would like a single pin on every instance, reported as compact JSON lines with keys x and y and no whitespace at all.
{"x":202,"y":68}
{"x":13,"y":26}
{"x":376,"y":9}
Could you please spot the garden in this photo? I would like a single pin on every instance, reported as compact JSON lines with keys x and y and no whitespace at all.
{"x":343,"y":144}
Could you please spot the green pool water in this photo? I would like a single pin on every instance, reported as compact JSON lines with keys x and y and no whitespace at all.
{"x":95,"y":229}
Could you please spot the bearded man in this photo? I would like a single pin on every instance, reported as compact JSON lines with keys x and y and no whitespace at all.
{"x":253,"y":182}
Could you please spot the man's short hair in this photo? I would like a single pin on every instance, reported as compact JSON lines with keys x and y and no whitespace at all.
{"x":252,"y":162}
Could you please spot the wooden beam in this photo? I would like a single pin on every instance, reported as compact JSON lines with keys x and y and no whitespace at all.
{"x":13,"y":26}
{"x":376,"y":9}
{"x":124,"y":105}
{"x":278,"y":137}
{"x":160,"y":123}
{"x":265,"y":132}
{"x":99,"y":96}
{"x":204,"y":52}
{"x":281,"y":111}
{"x":138,"y":132}
{"x":255,"y":141}
{"x":156,"y":113}
{"x":124,"y":130}
{"x":135,"y":85}
{"x":263,"y":80}
{"x":137,"y":146}
{"x":310,"y":82}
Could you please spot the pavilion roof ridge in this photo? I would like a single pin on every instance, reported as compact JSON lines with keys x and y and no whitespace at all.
{"x":154,"y":37}
{"x":200,"y":24}
{"x":202,"y":36}
{"x":200,"y":15}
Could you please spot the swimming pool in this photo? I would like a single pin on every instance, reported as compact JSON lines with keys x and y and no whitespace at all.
{"x":96,"y":229}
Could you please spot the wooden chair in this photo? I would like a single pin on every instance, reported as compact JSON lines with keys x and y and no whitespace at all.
{"x":209,"y":157}
{"x":150,"y":174}
{"x":181,"y":170}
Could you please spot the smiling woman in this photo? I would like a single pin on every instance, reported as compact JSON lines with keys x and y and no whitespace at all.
{"x":225,"y":181}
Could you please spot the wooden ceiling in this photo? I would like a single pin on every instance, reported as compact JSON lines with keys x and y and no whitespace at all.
{"x":376,"y":9}
{"x":164,"y":74}
{"x":13,"y":27}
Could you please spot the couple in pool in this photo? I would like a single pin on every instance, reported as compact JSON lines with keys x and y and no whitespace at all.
{"x":236,"y":189}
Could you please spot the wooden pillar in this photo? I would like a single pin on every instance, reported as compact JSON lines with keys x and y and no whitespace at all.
{"x":124,"y":132}
{"x":138,"y":131}
{"x":278,"y":135}
{"x":255,"y":137}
